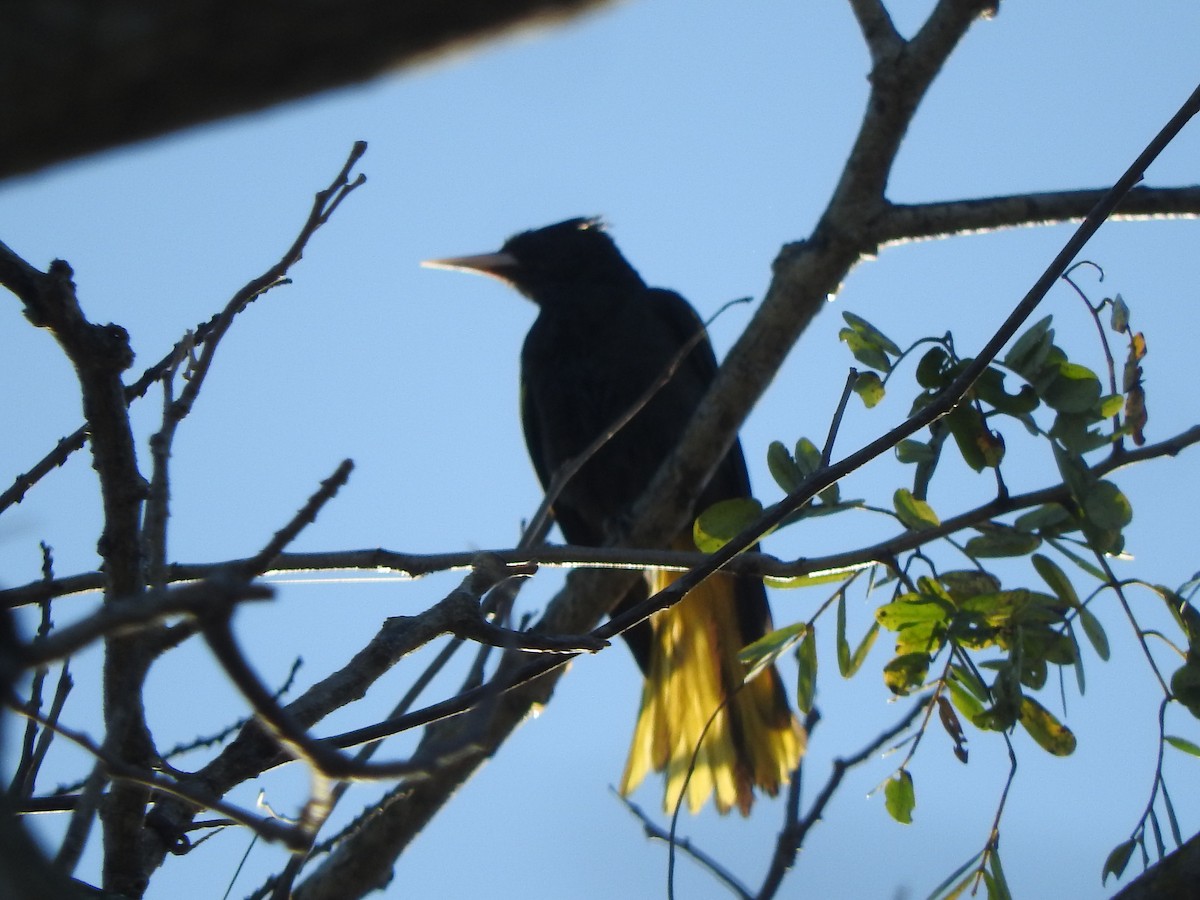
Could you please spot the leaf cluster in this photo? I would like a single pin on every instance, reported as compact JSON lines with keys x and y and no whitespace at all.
{"x":995,"y":646}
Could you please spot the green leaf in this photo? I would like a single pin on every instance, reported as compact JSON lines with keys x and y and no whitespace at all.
{"x":1041,"y":645}
{"x":964,"y":701}
{"x":913,"y":513}
{"x":970,"y":681}
{"x":1183,"y":744}
{"x":998,"y":885}
{"x":806,"y":683}
{"x":830,"y":496}
{"x":723,"y":521}
{"x":905,"y":672}
{"x":904,"y":613}
{"x":964,"y":583}
{"x":900,"y":798}
{"x":1185,"y":685}
{"x":933,"y":369}
{"x":1074,"y":389}
{"x":1106,"y":507}
{"x":1187,"y":616}
{"x":952,"y":878}
{"x":921,"y":637}
{"x":1110,"y":405}
{"x":909,"y":451}
{"x":970,"y":435}
{"x":1118,"y":859}
{"x":1075,"y":472}
{"x":1033,"y":672}
{"x":859,"y":656}
{"x":1001,"y":540}
{"x":1094,"y":631}
{"x":1075,"y":432}
{"x":783,"y":468}
{"x":869,"y":331}
{"x":1018,"y":606}
{"x":865,"y":351}
{"x":990,"y":390}
{"x":1006,"y":699}
{"x":1049,"y":517}
{"x":1056,"y":579}
{"x":807,"y":456}
{"x":762,"y":653}
{"x":825,"y":576}
{"x":1051,"y":735}
{"x":1080,"y":678}
{"x":843,"y":646}
{"x":1084,"y":564}
{"x":869,"y":388}
{"x":1120,"y":315}
{"x":1030,"y":350}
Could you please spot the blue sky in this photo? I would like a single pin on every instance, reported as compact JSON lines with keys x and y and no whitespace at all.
{"x":708,"y":135}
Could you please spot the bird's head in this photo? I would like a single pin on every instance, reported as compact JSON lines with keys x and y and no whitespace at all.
{"x":553,"y":264}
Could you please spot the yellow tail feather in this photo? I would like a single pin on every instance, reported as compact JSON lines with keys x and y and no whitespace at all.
{"x":754,"y":741}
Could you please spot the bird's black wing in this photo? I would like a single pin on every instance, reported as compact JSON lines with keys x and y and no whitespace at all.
{"x":544,"y":453}
{"x":684,"y":322}
{"x":731,"y":478}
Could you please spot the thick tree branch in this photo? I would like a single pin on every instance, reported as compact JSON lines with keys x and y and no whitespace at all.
{"x":902,"y":223}
{"x":879,"y":33}
{"x":100,"y":354}
{"x":1174,"y":877}
{"x":77,"y":77}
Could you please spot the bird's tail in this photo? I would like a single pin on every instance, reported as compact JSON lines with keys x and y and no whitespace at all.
{"x":693,"y":676}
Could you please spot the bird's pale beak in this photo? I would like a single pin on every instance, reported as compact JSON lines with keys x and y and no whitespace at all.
{"x":498,"y":265}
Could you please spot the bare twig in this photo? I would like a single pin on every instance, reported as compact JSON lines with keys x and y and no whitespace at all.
{"x":28,"y":772}
{"x":127,"y":617}
{"x":118,"y":769}
{"x":793,"y":839}
{"x":655,"y":832}
{"x":836,"y":422}
{"x":206,"y":335}
{"x":786,"y":844}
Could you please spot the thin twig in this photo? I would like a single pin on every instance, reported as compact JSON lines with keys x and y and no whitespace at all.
{"x":786,"y":846}
{"x":206,"y":335}
{"x":654,"y":832}
{"x":835,"y":424}
{"x":120,"y":770}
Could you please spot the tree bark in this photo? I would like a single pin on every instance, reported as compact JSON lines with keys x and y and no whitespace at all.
{"x":1174,"y":877}
{"x":77,"y":76}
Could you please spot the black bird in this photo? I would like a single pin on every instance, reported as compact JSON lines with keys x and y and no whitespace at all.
{"x":601,"y":338}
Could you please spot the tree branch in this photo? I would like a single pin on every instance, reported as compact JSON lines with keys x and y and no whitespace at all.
{"x":1174,"y":877}
{"x":133,"y":69}
{"x":902,"y":223}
